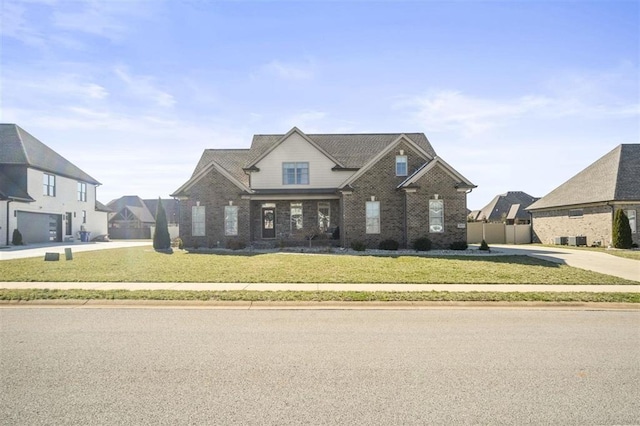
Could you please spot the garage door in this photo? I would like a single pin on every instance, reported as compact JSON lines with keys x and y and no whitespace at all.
{"x":40,"y":227}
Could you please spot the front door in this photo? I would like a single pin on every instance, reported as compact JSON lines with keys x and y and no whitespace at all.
{"x":69,"y":225}
{"x":268,"y":222}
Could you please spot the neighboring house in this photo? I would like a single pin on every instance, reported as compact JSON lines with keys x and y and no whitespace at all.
{"x":350,"y":187}
{"x":134,"y":218}
{"x":585,"y":205}
{"x":42,"y":194}
{"x":509,"y":208}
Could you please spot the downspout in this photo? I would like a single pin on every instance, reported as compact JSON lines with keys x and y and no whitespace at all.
{"x":8,"y":201}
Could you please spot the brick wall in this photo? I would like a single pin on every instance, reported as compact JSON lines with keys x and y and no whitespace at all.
{"x":214,"y":191}
{"x":596,"y":224}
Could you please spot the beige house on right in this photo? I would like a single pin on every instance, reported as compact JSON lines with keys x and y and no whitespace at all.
{"x":585,"y":205}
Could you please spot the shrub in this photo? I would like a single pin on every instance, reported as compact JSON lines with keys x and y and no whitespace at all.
{"x":161,"y":237}
{"x":422,"y":244}
{"x":484,"y":246}
{"x":236,"y":245}
{"x":16,"y":239}
{"x":178,"y":243}
{"x":621,"y":237}
{"x":388,"y":245}
{"x":458,"y":245}
{"x":358,"y":246}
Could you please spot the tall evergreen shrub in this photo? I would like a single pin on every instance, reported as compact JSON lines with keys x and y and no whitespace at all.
{"x":621,"y":237}
{"x":161,"y":238}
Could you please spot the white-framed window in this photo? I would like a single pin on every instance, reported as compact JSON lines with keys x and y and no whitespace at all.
{"x":296,"y":216}
{"x":197,"y":221}
{"x":402,"y":168}
{"x":49,"y":185}
{"x":324,"y":215}
{"x":373,"y":217}
{"x":631,"y":215}
{"x":82,"y":191}
{"x":295,"y":173}
{"x":436,"y":216}
{"x":230,"y":220}
{"x":576,"y":213}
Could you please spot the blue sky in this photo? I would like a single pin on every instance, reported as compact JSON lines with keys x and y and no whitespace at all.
{"x":517,"y":96}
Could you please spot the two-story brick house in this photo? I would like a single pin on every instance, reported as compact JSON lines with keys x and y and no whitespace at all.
{"x":42,"y":194}
{"x":350,"y":187}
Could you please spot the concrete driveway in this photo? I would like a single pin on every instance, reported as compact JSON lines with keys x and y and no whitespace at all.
{"x":583,"y":259}
{"x":38,"y":250}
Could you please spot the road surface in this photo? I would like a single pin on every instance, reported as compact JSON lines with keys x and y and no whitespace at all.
{"x":206,"y":366}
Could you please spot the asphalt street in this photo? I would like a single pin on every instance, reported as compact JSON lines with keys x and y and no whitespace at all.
{"x":206,"y":366}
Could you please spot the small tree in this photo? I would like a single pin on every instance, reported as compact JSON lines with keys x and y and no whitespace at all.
{"x":16,"y":238}
{"x":621,"y":237}
{"x":161,"y":238}
{"x":484,"y":246}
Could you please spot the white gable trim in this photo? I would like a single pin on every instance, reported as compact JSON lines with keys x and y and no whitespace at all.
{"x":202,"y":173}
{"x":437,"y":161}
{"x":285,"y":137}
{"x":388,"y":149}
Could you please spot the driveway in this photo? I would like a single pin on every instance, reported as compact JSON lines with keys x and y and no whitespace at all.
{"x":583,"y":259}
{"x":38,"y":250}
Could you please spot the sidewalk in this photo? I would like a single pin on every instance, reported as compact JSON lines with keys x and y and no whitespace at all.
{"x":325,"y":287}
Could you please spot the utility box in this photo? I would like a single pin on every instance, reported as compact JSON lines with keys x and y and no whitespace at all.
{"x":578,"y":241}
{"x":560,"y":241}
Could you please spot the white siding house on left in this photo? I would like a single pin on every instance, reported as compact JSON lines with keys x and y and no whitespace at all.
{"x":42,"y":194}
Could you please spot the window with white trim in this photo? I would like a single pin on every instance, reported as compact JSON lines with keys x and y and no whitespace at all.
{"x":631,"y":215}
{"x":49,"y":185}
{"x":230,"y":220}
{"x":82,"y":191}
{"x":436,"y":216}
{"x":296,"y":216}
{"x":324,"y":216}
{"x":197,"y":221}
{"x":373,"y":217}
{"x":402,"y":168}
{"x":295,"y":173}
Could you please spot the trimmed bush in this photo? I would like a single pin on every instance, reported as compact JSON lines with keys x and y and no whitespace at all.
{"x":421,"y":244}
{"x":236,"y":245}
{"x":161,"y":237}
{"x":358,"y":246}
{"x":484,"y":246}
{"x":177,"y":243}
{"x":621,"y":237}
{"x":388,"y":245}
{"x":458,"y":245}
{"x":16,"y":239}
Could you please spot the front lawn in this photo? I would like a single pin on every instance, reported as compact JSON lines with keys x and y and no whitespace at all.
{"x":143,"y":264}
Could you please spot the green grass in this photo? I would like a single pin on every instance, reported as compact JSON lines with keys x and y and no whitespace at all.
{"x":627,"y":254}
{"x":143,"y":264}
{"x":319,"y":296}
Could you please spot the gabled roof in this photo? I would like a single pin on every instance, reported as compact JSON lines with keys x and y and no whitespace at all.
{"x":613,"y":177}
{"x":17,"y":147}
{"x":499,"y":208}
{"x":170,"y":205}
{"x":135,"y":205}
{"x":462,"y":182}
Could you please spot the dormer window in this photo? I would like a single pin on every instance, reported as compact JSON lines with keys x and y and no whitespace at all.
{"x":295,"y":173}
{"x":401,"y":165}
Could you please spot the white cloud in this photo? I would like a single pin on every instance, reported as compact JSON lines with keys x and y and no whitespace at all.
{"x":144,"y":88}
{"x":290,"y":71}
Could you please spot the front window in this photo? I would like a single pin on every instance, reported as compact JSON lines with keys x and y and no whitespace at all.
{"x":436,"y":216}
{"x":296,"y":216}
{"x":82,"y":191}
{"x":49,"y":185}
{"x":401,"y":165}
{"x":197,"y":221}
{"x":631,"y":215}
{"x":373,"y":217}
{"x":231,"y":220}
{"x":324,"y":216}
{"x":295,"y":173}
